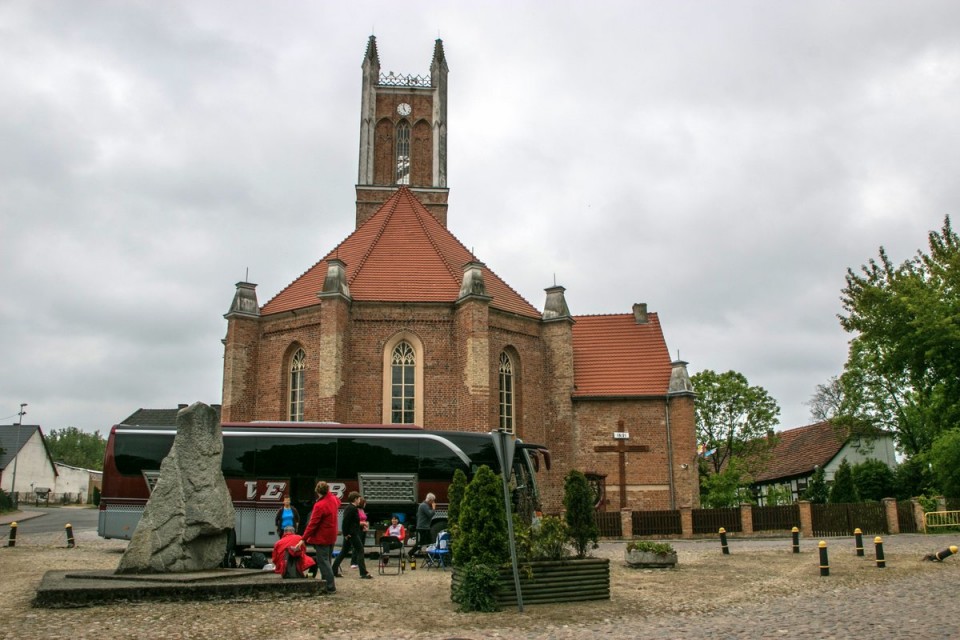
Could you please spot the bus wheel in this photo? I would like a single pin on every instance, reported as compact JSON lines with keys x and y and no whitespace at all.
{"x":230,"y":553}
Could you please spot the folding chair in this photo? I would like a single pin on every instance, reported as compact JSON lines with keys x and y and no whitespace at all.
{"x":438,"y":551}
{"x":393,"y":553}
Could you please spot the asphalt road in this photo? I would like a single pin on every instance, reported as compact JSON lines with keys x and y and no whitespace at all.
{"x":54,"y":520}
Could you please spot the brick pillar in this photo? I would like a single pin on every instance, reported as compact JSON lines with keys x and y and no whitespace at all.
{"x":241,"y":353}
{"x":686,"y":521}
{"x":806,"y":519}
{"x":746,"y":518}
{"x":333,"y":347}
{"x":472,"y":325}
{"x":890,"y":508}
{"x":918,"y":515}
{"x":626,"y":523}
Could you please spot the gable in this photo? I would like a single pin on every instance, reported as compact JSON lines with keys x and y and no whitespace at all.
{"x":799,"y":450}
{"x":401,"y":254}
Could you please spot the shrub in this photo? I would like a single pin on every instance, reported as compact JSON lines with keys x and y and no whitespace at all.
{"x":476,"y":590}
{"x":659,"y":548}
{"x":6,"y":502}
{"x":578,"y":501}
{"x":546,"y":539}
{"x":817,"y":491}
{"x":455,"y":497}
{"x":843,"y":490}
{"x":874,"y":480}
{"x":482,"y":522}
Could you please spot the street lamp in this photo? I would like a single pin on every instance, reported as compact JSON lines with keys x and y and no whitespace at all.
{"x":13,"y":481}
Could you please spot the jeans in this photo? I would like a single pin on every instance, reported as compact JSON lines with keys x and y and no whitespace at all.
{"x":324,"y":551}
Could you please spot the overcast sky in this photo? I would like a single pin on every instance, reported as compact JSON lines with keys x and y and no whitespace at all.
{"x":723,"y":162}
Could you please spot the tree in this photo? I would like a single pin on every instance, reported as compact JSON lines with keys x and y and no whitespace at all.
{"x":483,"y":535}
{"x":945,"y":459}
{"x":726,"y":488}
{"x":817,"y":491}
{"x":903,"y":369}
{"x":915,"y":478}
{"x":77,"y":448}
{"x":874,"y":480}
{"x":778,"y":494}
{"x":826,"y":401}
{"x":843,"y":489}
{"x":734,"y":419}
{"x":578,"y":502}
{"x":455,"y":496}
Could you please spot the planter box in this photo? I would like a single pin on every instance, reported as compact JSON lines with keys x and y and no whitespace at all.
{"x":546,"y":581}
{"x":650,"y":560}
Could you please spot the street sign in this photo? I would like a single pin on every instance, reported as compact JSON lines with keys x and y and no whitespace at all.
{"x":621,"y":435}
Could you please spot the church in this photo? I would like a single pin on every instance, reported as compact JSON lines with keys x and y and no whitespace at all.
{"x":400,"y":323}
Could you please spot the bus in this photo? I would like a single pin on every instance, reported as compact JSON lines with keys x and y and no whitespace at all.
{"x":393,"y":467}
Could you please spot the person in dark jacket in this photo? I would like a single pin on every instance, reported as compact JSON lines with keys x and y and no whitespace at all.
{"x":287,"y":516}
{"x":425,"y":514}
{"x":353,"y":535}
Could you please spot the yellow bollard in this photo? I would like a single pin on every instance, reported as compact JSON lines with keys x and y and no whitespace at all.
{"x":13,"y":535}
{"x":70,"y":542}
{"x":723,"y":542}
{"x":858,"y":536}
{"x":796,"y":540}
{"x":824,"y":561}
{"x":878,"y":543}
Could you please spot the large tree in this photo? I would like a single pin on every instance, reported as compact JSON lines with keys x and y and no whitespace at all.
{"x":903,"y":369}
{"x":734,"y":419}
{"x":77,"y":448}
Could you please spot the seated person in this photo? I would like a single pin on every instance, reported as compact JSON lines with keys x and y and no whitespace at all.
{"x":293,"y":545}
{"x":396,"y":530}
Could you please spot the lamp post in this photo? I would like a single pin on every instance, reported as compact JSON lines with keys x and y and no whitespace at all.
{"x":13,"y":481}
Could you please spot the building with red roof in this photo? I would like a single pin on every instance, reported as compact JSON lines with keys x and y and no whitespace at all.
{"x":401,"y":323}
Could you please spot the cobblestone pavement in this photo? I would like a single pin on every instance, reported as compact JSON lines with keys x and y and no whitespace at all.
{"x":761,"y":590}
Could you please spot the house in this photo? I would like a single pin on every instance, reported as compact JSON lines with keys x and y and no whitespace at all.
{"x":159,"y":417}
{"x":76,"y":485}
{"x":401,"y":323}
{"x":26,"y":467}
{"x":799,"y":451}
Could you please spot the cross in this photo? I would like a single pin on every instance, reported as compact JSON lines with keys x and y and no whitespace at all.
{"x":622,"y":449}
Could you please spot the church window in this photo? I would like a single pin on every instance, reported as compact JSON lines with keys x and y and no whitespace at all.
{"x":403,"y":153}
{"x":403,"y":383}
{"x":298,"y":366}
{"x":506,"y":394}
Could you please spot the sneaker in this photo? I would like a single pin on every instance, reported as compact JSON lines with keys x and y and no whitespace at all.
{"x":353,"y":566}
{"x":366,"y":576}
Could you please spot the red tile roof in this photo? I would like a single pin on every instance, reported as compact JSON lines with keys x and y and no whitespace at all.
{"x":615,"y":356}
{"x":801,"y":449}
{"x":401,"y":254}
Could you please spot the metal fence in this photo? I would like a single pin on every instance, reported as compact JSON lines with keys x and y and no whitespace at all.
{"x":655,"y":523}
{"x":842,"y":519}
{"x":785,"y":516}
{"x":609,"y":524}
{"x":710,"y":520}
{"x":905,"y":518}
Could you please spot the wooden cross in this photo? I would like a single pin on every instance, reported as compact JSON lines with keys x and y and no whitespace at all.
{"x":622,"y":448}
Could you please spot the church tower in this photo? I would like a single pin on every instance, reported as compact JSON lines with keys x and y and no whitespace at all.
{"x":403,"y":135}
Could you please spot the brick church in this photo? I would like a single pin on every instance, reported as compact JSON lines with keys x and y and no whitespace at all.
{"x":401,"y":323}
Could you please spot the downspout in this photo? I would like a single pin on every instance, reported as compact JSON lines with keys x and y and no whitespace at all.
{"x":673,"y":489}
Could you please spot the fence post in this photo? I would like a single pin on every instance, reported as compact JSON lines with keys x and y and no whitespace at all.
{"x":806,"y":519}
{"x":686,"y":522}
{"x":626,"y":523}
{"x":746,"y":519}
{"x":918,"y":515}
{"x":941,"y":503}
{"x":893,"y":521}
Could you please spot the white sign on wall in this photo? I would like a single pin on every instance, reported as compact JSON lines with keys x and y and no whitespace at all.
{"x":621,"y":435}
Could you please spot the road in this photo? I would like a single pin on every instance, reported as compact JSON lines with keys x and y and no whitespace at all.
{"x":53,"y":520}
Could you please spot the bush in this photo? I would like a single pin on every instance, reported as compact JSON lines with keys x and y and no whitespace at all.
{"x":817,"y":491}
{"x":843,"y":490}
{"x":6,"y":502}
{"x":874,"y":480}
{"x":455,"y":497}
{"x":477,"y":588}
{"x":659,"y":548}
{"x":482,"y":522}
{"x":544,"y":540}
{"x":578,"y":501}
{"x":944,"y":455}
{"x":96,"y":496}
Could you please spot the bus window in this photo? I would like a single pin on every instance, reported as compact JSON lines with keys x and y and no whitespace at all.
{"x":136,"y":452}
{"x":438,"y":462}
{"x":297,"y":457}
{"x":239,"y":457}
{"x":393,"y":455}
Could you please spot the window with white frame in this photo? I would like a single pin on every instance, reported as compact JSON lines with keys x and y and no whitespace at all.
{"x":298,"y":367}
{"x":403,"y":384}
{"x":507,"y":423}
{"x":403,"y":153}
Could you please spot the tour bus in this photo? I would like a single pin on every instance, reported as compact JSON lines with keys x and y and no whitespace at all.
{"x":392,"y":466}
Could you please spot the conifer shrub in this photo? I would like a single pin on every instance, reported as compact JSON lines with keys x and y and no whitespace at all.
{"x":578,"y":501}
{"x":482,"y":522}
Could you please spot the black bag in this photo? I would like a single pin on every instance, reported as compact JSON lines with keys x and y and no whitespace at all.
{"x":291,"y":570}
{"x":256,"y":561}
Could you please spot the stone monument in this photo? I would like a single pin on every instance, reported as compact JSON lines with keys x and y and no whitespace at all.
{"x":185,"y":524}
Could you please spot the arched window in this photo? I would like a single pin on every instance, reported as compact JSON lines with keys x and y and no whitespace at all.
{"x":403,"y":379}
{"x":298,"y":367}
{"x":403,"y":394}
{"x":403,"y":153}
{"x":507,"y":406}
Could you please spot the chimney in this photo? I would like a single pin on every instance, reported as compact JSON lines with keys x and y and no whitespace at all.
{"x":640,"y":313}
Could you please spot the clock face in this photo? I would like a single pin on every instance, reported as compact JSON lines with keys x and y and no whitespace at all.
{"x":403,"y":109}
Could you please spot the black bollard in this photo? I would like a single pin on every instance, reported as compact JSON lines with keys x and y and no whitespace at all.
{"x":824,"y":561}
{"x":413,"y":563}
{"x":723,"y":541}
{"x":13,"y":535}
{"x":878,"y":543}
{"x":70,"y":543}
{"x":796,"y":540}
{"x":858,"y":536}
{"x":946,"y":553}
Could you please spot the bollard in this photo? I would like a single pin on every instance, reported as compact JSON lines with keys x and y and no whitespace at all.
{"x":824,"y":561}
{"x":796,"y":540}
{"x":878,"y":543}
{"x":858,"y":536}
{"x":940,"y":556}
{"x":413,"y":563}
{"x":13,"y":535}
{"x":70,"y":543}
{"x":723,"y":541}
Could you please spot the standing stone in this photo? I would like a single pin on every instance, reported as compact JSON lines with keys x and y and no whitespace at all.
{"x":185,"y":524}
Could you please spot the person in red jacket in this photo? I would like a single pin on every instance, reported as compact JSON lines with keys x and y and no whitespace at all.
{"x":292,"y":543}
{"x":321,"y":531}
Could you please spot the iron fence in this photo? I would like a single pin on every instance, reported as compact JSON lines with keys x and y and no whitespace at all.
{"x":905,"y":518}
{"x":710,"y":520}
{"x":655,"y":523}
{"x":842,"y":519}
{"x":786,"y":516}
{"x":609,"y":524}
